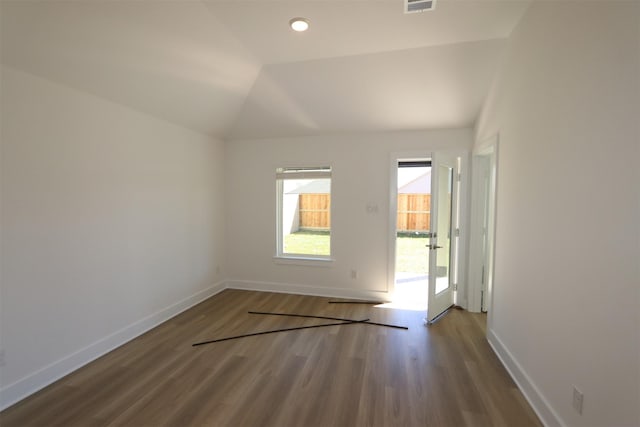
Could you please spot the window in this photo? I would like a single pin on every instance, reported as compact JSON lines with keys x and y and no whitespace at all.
{"x":304,"y":212}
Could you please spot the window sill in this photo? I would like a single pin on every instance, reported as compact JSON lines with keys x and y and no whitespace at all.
{"x":303,"y":260}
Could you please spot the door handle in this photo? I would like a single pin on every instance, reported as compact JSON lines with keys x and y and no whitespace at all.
{"x":433,"y":246}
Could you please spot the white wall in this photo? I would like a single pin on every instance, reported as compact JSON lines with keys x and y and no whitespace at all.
{"x":360,"y":176}
{"x":566,"y":292}
{"x":111,"y":221}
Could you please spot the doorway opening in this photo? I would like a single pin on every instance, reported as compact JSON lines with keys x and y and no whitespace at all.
{"x":413,"y":221}
{"x":482,"y":233}
{"x":424,"y":231}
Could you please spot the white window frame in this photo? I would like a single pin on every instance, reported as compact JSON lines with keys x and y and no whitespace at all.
{"x":283,"y":173}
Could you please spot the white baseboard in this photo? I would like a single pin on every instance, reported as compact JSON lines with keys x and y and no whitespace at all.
{"x":30,"y":384}
{"x":288,"y":288}
{"x":540,"y":405}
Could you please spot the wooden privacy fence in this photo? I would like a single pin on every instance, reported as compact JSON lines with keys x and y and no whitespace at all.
{"x":315,"y":211}
{"x":414,"y":212}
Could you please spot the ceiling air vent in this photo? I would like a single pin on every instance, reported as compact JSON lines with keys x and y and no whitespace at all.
{"x":413,"y":6}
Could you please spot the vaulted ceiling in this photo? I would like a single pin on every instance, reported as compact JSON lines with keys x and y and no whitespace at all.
{"x":234,"y":69}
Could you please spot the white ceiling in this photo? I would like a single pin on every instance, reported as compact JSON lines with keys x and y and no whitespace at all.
{"x":436,"y":87}
{"x":355,"y":27}
{"x":234,"y":69}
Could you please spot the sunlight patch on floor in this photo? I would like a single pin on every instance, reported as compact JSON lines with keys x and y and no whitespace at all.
{"x":411,"y":292}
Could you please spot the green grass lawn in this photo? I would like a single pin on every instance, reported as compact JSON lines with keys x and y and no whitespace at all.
{"x":412,"y":254}
{"x":307,"y":243}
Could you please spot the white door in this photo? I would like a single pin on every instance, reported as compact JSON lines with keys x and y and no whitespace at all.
{"x":443,"y":196}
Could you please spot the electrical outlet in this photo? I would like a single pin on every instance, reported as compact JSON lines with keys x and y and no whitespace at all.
{"x":354,"y":274}
{"x":577,"y":400}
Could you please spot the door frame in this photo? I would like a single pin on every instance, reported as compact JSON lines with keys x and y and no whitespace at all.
{"x":485,"y":151}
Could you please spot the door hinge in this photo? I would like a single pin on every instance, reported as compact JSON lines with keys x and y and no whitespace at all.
{"x":482,"y":277}
{"x":457,"y":232}
{"x":459,"y":177}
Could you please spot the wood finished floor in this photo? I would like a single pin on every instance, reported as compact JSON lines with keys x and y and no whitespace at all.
{"x":350,"y":375}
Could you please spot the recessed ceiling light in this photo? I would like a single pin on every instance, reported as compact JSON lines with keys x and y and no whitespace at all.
{"x":299,"y":24}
